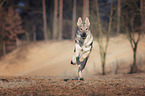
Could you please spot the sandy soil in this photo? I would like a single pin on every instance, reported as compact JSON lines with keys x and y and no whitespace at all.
{"x":125,"y":85}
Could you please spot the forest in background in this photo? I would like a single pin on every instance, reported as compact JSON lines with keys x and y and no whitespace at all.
{"x":61,"y":17}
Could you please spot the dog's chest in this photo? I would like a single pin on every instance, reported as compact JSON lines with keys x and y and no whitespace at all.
{"x":81,"y":41}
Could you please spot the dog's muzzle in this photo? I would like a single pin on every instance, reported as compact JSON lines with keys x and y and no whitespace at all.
{"x":84,"y":35}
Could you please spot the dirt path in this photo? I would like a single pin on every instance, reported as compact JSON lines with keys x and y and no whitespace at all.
{"x":128,"y":85}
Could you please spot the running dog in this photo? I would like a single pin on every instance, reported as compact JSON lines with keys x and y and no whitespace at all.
{"x":83,"y":45}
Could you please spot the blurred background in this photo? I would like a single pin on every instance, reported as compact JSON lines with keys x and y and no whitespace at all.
{"x":37,"y":36}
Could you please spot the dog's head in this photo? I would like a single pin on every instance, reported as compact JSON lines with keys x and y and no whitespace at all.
{"x":83,"y":27}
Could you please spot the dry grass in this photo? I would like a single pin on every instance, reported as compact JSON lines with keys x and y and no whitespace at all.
{"x":52,"y":58}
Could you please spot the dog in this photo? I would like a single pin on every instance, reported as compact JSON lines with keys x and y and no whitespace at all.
{"x":83,"y":45}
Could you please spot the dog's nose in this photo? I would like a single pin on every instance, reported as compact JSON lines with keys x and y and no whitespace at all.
{"x":84,"y":34}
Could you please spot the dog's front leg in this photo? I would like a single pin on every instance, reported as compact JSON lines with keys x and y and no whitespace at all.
{"x":84,"y":56}
{"x":73,"y":60}
{"x":76,"y":53}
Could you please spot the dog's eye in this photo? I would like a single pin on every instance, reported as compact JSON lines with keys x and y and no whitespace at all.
{"x":86,"y":28}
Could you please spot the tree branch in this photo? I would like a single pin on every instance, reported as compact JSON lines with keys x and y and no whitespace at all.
{"x":2,"y":3}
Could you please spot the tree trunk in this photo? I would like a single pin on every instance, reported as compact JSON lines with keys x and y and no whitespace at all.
{"x":44,"y":21}
{"x":85,"y":8}
{"x":60,"y":19}
{"x":34,"y":33}
{"x":134,"y":66}
{"x":103,"y":68}
{"x":142,"y":12}
{"x":118,"y":16}
{"x":74,"y":20}
{"x":4,"y":48}
{"x":17,"y":42}
{"x":103,"y":63}
{"x":55,"y":20}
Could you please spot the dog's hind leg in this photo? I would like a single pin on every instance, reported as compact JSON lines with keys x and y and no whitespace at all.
{"x":84,"y":62}
{"x":79,"y":71}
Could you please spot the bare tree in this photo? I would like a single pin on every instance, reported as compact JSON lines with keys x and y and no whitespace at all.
{"x":74,"y":19}
{"x":60,"y":19}
{"x":85,"y":8}
{"x":103,"y":46}
{"x":133,"y":27}
{"x":132,"y":31}
{"x":44,"y":21}
{"x":118,"y":15}
{"x":55,"y":20}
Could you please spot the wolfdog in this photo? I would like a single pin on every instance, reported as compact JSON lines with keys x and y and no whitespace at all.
{"x":83,"y":45}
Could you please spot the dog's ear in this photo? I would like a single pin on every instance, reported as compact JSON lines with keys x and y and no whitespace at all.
{"x":87,"y":21}
{"x":79,"y":21}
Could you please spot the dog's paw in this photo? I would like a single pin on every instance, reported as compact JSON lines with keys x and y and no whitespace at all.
{"x":78,"y":78}
{"x":73,"y":63}
{"x":81,"y":78}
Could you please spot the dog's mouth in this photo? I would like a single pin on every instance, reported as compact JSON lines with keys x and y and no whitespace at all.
{"x":84,"y":35}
